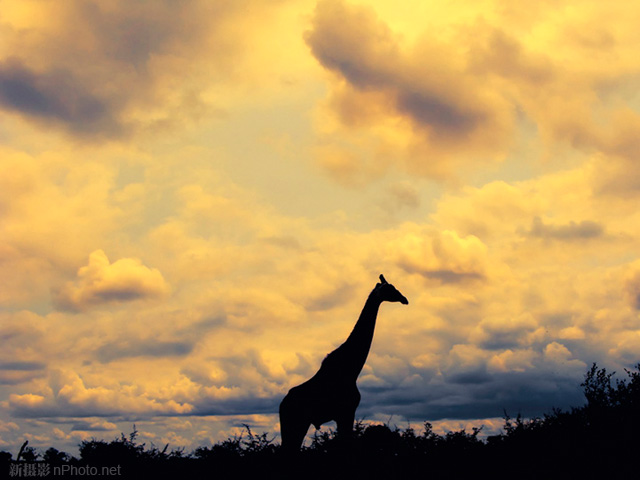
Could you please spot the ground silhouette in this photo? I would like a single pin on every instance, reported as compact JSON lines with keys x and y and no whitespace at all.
{"x":332,"y":394}
{"x":597,"y":440}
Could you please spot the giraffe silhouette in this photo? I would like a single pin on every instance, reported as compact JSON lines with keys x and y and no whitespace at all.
{"x":332,"y":393}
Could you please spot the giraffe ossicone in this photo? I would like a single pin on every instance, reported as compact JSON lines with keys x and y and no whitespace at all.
{"x":332,"y":393}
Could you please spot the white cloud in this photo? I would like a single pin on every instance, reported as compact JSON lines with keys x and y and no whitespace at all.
{"x":442,"y":256}
{"x":102,"y":282}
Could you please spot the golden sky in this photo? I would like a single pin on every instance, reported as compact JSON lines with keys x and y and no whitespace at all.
{"x":196,"y":198}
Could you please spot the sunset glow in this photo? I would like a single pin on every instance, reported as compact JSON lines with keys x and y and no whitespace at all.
{"x":197,"y":197}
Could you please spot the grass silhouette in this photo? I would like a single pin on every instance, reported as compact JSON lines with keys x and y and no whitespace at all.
{"x":599,"y":439}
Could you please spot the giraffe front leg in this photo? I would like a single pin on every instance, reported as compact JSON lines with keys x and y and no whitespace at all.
{"x":345,"y":425}
{"x":348,"y":414}
{"x":293,"y":424}
{"x":293,"y":432}
{"x":345,"y":438}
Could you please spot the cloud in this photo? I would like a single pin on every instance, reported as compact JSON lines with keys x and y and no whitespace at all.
{"x":67,"y":395}
{"x":144,"y":348}
{"x":353,"y":42}
{"x":56,"y":205}
{"x":16,"y":372}
{"x":444,"y":256}
{"x":632,"y":284}
{"x":26,"y":366}
{"x":108,"y":71}
{"x":466,"y":90}
{"x":504,"y":333}
{"x":422,"y":107}
{"x":474,"y":383}
{"x":94,"y":426}
{"x":102,"y":282}
{"x":55,"y":97}
{"x":572,"y":231}
{"x":502,"y":53}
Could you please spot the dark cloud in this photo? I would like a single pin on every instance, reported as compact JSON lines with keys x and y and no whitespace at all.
{"x":449,"y":108}
{"x":633,"y":286}
{"x":475,"y":376}
{"x":505,"y":334}
{"x":55,"y":96}
{"x":143,"y":348}
{"x":443,"y":276}
{"x":119,"y":295}
{"x":92,"y":68}
{"x":428,"y":108}
{"x":91,"y":426}
{"x":449,"y":276}
{"x":571,"y":231}
{"x":476,"y":395}
{"x":13,"y":373}
{"x":132,"y":32}
{"x":351,"y":41}
{"x":245,"y":405}
{"x":24,"y":366}
{"x":636,"y":302}
{"x":354,"y":43}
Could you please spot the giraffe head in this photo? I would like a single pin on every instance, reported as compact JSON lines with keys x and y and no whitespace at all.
{"x":388,"y":293}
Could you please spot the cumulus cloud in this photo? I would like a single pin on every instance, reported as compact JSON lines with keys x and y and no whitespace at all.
{"x":102,"y":282}
{"x":69,"y":396}
{"x":56,"y":206}
{"x":444,"y":256}
{"x":473,"y":382}
{"x":440,"y":97}
{"x":359,"y":46}
{"x":504,"y":333}
{"x":479,"y":392}
{"x":386,"y":83}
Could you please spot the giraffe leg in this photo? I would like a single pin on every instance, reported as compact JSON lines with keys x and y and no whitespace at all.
{"x":347,"y":416}
{"x":293,"y":432}
{"x":345,"y":424}
{"x":293,"y":426}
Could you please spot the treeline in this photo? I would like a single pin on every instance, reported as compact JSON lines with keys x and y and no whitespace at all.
{"x":598,"y":440}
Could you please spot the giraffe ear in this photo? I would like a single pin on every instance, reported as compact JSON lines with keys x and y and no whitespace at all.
{"x":382,"y":279}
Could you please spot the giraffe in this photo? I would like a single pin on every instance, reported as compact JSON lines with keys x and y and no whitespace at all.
{"x":332,"y":393}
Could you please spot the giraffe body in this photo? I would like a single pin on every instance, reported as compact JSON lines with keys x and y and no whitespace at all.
{"x":332,"y":393}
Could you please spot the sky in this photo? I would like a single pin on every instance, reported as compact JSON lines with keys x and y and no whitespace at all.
{"x":196,"y":198}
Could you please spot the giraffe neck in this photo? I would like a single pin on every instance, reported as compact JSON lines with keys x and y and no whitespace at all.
{"x":359,"y":341}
